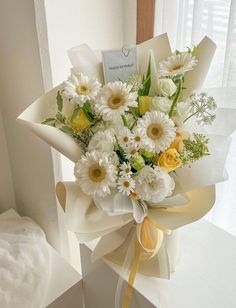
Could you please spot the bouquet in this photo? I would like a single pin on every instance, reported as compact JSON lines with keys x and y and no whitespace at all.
{"x":133,"y":143}
{"x":142,"y":151}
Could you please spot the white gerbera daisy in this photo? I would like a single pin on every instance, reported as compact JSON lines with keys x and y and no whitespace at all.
{"x":177,"y":64}
{"x":125,"y":169}
{"x":131,"y":152}
{"x":115,"y":98}
{"x":153,"y":184}
{"x":102,"y":141}
{"x":157,"y":131}
{"x":79,"y":88}
{"x":124,"y":137}
{"x":95,"y":174}
{"x":126,"y":185}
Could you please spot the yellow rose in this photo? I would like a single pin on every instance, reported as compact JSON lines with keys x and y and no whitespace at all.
{"x":178,"y":142}
{"x":170,"y":160}
{"x":143,"y":104}
{"x":80,"y":122}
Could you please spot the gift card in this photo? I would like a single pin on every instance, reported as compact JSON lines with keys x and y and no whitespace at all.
{"x":119,"y":64}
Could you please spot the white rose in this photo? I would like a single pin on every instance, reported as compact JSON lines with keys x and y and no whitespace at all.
{"x":160,"y":103}
{"x":102,"y":141}
{"x":153,"y":184}
{"x":166,"y":87}
{"x":163,"y":104}
{"x":181,"y":113}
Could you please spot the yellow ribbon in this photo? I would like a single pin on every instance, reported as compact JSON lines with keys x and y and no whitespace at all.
{"x":149,"y":240}
{"x":132,"y":275}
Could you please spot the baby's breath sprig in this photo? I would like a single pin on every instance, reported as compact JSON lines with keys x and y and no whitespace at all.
{"x":202,"y":107}
{"x":194,"y":148}
{"x":136,"y":81}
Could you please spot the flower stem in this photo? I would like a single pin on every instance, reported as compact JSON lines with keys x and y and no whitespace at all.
{"x":191,"y":115}
{"x":135,"y":121}
{"x":124,"y":120}
{"x":175,"y":101}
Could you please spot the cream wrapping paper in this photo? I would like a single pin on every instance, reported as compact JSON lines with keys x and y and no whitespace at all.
{"x":195,"y":195}
{"x":90,"y":222}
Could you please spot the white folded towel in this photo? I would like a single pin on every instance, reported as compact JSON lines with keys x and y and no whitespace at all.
{"x":25,"y":264}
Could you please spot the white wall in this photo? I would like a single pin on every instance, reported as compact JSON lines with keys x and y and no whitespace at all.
{"x":98,"y":23}
{"x":28,"y":65}
{"x":21,"y":83}
{"x":7,"y":197}
{"x":129,"y":22}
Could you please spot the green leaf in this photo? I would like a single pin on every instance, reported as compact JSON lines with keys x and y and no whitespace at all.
{"x":48,"y":120}
{"x":59,"y":101}
{"x":88,"y":111}
{"x":148,"y":77}
{"x":134,"y":111}
{"x":75,"y":112}
{"x":68,"y":130}
{"x":124,"y":120}
{"x":60,"y":117}
{"x":147,"y":81}
{"x":120,"y":152}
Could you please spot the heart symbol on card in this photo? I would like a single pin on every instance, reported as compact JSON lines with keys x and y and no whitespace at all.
{"x":125,"y":51}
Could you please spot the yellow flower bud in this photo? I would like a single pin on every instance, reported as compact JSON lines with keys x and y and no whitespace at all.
{"x":147,"y":154}
{"x":80,"y":122}
{"x":155,"y":159}
{"x":144,"y":103}
{"x":169,"y":160}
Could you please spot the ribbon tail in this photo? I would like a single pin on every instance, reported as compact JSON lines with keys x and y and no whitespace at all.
{"x":145,"y":242}
{"x":132,"y":275}
{"x":127,"y":264}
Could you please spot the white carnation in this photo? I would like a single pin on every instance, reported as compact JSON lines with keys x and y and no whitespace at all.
{"x":102,"y":141}
{"x":153,"y":184}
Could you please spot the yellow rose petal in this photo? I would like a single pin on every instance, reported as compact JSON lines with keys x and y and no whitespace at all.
{"x":170,"y":160}
{"x":80,"y":122}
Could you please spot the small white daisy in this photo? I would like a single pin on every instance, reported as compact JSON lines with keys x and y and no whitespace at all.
{"x":131,"y":152}
{"x":126,"y":185}
{"x":115,"y":98}
{"x":125,"y":169}
{"x":177,"y":64}
{"x":125,"y":137}
{"x":96,"y":174}
{"x":157,"y":131}
{"x":137,"y":139}
{"x":79,"y":88}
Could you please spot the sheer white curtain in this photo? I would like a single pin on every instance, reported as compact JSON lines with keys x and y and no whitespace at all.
{"x":187,"y":22}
